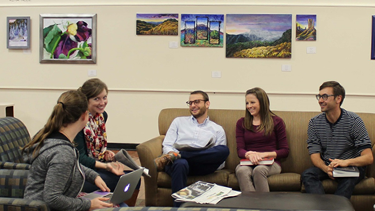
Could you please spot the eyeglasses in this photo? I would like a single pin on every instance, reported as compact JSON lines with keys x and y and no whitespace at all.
{"x":196,"y":102}
{"x":324,"y":97}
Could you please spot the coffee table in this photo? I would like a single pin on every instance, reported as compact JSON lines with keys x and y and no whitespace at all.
{"x":282,"y":201}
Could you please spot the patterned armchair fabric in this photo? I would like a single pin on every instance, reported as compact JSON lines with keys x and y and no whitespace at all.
{"x":13,"y":135}
{"x":12,"y":186}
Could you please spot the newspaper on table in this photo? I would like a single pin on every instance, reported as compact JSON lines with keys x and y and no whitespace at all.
{"x":204,"y":193}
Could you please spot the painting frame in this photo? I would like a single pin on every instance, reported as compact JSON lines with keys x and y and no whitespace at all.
{"x":373,"y":38}
{"x":86,"y":50}
{"x":16,"y":45}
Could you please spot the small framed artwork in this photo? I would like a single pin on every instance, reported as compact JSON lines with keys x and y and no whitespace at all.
{"x":373,"y":38}
{"x":18,"y":32}
{"x":68,"y":38}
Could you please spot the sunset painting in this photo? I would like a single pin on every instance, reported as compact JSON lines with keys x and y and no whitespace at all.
{"x":157,"y":24}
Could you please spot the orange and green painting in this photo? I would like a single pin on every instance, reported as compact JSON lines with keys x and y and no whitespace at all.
{"x":157,"y":24}
{"x":202,"y":30}
{"x":306,"y":27}
{"x":258,"y":35}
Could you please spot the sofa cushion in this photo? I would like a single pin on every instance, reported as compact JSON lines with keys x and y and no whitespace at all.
{"x":364,"y":187}
{"x":13,"y":182}
{"x":219,"y":177}
{"x":285,"y":182}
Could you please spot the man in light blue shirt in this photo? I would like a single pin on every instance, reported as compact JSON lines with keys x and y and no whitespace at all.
{"x":193,"y":145}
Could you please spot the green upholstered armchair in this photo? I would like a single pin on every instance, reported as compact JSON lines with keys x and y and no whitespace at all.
{"x":12,"y":186}
{"x":13,"y":135}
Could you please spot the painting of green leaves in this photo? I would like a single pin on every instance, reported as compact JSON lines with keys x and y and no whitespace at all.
{"x":67,"y":38}
{"x":258,"y":35}
{"x":157,"y":24}
{"x":202,"y":30}
{"x":306,"y":27}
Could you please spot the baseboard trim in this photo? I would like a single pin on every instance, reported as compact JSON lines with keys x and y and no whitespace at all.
{"x":117,"y":146}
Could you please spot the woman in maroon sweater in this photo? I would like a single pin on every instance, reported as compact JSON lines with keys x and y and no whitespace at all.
{"x":260,"y":134}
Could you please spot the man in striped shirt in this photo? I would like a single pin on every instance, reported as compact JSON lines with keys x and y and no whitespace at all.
{"x":336,"y":138}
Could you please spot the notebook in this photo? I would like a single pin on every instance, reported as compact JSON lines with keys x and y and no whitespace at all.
{"x":124,"y":188}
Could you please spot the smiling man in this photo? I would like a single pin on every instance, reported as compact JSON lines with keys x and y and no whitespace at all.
{"x":193,"y":145}
{"x":336,"y":138}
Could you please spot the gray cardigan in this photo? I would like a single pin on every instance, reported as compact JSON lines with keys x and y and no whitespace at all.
{"x":56,"y":177}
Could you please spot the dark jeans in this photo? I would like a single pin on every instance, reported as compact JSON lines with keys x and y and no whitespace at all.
{"x":109,"y":178}
{"x":200,"y":162}
{"x":312,"y":177}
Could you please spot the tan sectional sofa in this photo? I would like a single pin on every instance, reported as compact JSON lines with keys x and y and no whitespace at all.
{"x":158,"y":187}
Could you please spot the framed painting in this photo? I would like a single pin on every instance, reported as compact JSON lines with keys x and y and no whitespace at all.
{"x":259,"y":36}
{"x":18,"y":32}
{"x":202,"y":30}
{"x":373,"y":38}
{"x":306,"y":28}
{"x":157,"y":24}
{"x":68,"y":38}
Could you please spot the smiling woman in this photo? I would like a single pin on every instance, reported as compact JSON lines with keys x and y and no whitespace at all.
{"x":92,"y":140}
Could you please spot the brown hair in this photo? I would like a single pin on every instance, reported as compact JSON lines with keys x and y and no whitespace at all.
{"x":337,"y":89}
{"x":204,"y":94}
{"x":93,"y":87}
{"x":69,"y":108}
{"x":265,"y":113}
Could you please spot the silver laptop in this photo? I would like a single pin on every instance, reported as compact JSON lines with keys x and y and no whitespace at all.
{"x":124,"y":188}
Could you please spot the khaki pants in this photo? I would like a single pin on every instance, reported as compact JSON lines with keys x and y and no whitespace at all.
{"x":254,"y":178}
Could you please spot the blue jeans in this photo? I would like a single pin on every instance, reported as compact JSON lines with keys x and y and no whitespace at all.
{"x":200,"y":162}
{"x":312,"y":177}
{"x":109,"y":178}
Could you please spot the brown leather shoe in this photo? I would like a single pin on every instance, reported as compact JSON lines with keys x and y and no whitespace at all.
{"x":163,"y":160}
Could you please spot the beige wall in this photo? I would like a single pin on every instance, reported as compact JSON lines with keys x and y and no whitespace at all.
{"x":145,"y":76}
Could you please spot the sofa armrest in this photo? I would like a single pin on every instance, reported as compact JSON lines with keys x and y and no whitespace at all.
{"x":22,"y":204}
{"x":11,"y":165}
{"x":147,"y":152}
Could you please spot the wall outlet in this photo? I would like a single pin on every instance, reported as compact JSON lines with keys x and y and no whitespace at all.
{"x":216,"y":74}
{"x":91,"y":73}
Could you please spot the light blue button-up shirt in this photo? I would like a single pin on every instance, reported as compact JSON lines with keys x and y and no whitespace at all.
{"x":187,"y":131}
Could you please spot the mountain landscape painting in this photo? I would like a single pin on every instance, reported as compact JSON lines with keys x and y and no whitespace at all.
{"x":306,"y":27}
{"x":202,"y":30}
{"x":258,"y":36}
{"x":157,"y":24}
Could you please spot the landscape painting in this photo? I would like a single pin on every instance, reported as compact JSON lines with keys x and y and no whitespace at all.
{"x":157,"y":24}
{"x":306,"y":27}
{"x":202,"y":30}
{"x":258,"y":35}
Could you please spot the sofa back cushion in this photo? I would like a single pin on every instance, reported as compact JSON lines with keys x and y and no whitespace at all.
{"x":13,"y":135}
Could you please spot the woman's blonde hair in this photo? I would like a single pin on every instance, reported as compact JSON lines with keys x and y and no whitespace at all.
{"x":265,"y":113}
{"x":69,"y":108}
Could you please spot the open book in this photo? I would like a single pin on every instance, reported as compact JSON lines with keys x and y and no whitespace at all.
{"x":350,"y":171}
{"x":265,"y":161}
{"x":123,"y":157}
{"x":204,"y":193}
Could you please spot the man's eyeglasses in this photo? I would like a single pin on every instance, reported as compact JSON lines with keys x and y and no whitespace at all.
{"x":324,"y":97}
{"x":196,"y":102}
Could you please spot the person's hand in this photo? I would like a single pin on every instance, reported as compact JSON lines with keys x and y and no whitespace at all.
{"x":109,"y":155}
{"x":99,"y":202}
{"x":254,"y":157}
{"x":101,"y":184}
{"x":115,"y":167}
{"x":338,"y":163}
